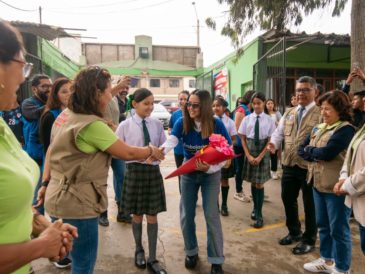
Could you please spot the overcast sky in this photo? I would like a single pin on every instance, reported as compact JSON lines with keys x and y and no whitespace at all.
{"x":169,"y":22}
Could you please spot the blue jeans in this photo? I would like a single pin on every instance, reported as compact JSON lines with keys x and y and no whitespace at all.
{"x":210,"y":187}
{"x":238,"y":164}
{"x":362,"y":238}
{"x":332,"y":216}
{"x":118,"y":167}
{"x":85,"y":247}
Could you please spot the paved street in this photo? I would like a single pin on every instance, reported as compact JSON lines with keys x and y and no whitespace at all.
{"x":247,"y":250}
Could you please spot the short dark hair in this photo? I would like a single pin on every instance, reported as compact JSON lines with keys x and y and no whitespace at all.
{"x":36,"y":79}
{"x":309,"y":80}
{"x":206,"y":114}
{"x":340,"y":102}
{"x":86,"y":88}
{"x":11,"y":42}
{"x":53,"y":101}
{"x":140,"y":94}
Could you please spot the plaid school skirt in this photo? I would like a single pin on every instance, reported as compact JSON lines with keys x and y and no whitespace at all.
{"x":256,"y":174}
{"x":143,"y":190}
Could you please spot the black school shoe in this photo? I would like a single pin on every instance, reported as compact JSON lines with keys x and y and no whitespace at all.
{"x":103,"y":219}
{"x":289,"y":239}
{"x":191,"y":261}
{"x":124,"y":218}
{"x":259,"y":223}
{"x":224,"y":211}
{"x":139,"y":259}
{"x":156,"y":268}
{"x":216,"y":269}
{"x":64,"y":263}
{"x":302,"y":248}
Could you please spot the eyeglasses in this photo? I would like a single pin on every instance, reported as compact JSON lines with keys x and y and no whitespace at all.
{"x":304,"y":90}
{"x":45,"y":87}
{"x":192,"y":105}
{"x":27,"y":67}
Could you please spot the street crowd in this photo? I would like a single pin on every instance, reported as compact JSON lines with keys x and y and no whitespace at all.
{"x":57,"y":147}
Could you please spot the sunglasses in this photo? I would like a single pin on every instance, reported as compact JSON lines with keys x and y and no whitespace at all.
{"x":97,"y":69}
{"x":27,"y":67}
{"x":192,"y":105}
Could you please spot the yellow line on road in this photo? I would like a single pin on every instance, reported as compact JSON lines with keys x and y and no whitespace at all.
{"x":201,"y":233}
{"x":269,"y":227}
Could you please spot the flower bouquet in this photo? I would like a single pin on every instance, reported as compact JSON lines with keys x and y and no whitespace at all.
{"x":216,"y":152}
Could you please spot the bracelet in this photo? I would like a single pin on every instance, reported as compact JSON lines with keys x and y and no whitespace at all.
{"x":45,"y":183}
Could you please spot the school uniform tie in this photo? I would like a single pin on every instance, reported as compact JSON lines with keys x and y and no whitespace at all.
{"x":300,"y":116}
{"x":257,"y":131}
{"x":146,"y":135}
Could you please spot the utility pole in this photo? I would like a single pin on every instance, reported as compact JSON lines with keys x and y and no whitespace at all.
{"x":40,"y":41}
{"x":197,"y":26}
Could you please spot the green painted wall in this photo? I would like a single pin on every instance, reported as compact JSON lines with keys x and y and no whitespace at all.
{"x":240,"y":73}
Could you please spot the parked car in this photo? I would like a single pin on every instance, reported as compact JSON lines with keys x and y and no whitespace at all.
{"x":160,"y":112}
{"x":171,"y":106}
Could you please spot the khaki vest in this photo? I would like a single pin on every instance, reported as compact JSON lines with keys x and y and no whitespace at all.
{"x":293,"y":137}
{"x":325,"y":173}
{"x":77,"y":189}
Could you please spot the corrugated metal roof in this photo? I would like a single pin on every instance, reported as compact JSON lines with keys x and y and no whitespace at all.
{"x":45,"y":31}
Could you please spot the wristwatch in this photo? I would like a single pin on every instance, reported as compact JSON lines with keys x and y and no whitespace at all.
{"x":45,"y":183}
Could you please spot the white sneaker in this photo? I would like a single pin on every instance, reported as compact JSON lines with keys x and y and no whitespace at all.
{"x":319,"y":266}
{"x":241,"y":196}
{"x":274,"y":175}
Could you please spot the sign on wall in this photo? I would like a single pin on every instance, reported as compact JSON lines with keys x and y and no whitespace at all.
{"x":221,"y":83}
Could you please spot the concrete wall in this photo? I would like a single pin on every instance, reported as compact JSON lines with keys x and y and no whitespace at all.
{"x":100,"y":53}
{"x":96,"y":53}
{"x":179,"y":55}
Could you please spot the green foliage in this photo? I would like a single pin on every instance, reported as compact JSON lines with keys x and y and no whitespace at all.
{"x":247,"y":15}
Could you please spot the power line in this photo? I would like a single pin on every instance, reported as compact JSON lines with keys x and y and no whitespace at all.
{"x":17,"y":8}
{"x":111,"y":12}
{"x":98,"y":5}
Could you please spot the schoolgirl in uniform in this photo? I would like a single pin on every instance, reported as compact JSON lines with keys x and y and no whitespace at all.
{"x":143,"y":189}
{"x":255,"y":131}
{"x":270,"y":109}
{"x":219,"y":108}
{"x":194,"y":128}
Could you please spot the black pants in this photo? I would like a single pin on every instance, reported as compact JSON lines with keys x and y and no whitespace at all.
{"x":238,"y":165}
{"x":294,"y":180}
{"x":179,"y":159}
{"x":274,"y":161}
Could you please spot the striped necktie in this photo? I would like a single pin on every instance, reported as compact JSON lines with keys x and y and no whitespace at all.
{"x":300,"y":115}
{"x":146,"y":135}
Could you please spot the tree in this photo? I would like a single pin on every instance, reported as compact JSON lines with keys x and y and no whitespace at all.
{"x":244,"y":16}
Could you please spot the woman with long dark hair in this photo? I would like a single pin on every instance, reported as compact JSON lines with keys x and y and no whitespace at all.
{"x":194,"y":130}
{"x":57,"y":101}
